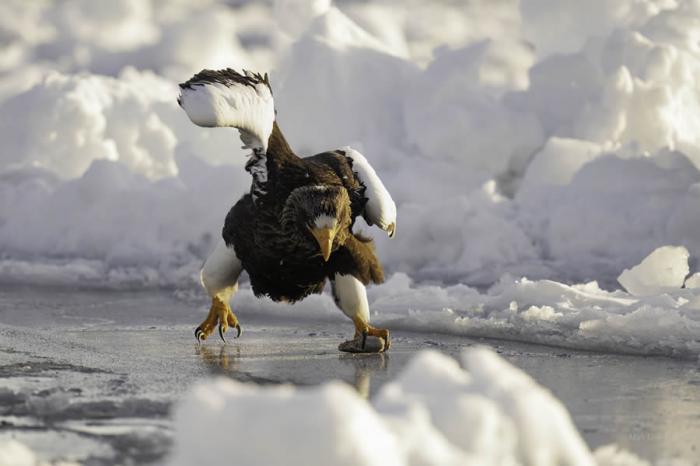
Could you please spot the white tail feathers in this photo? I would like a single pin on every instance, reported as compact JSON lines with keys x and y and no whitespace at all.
{"x":228,"y":98}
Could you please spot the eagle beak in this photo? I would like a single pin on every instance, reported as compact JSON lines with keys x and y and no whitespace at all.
{"x":324,"y":237}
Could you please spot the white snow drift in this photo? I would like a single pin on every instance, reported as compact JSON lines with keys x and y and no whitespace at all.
{"x":14,"y":453}
{"x":434,"y":413}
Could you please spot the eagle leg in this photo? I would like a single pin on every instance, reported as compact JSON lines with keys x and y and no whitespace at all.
{"x":351,"y":297}
{"x":220,"y":313}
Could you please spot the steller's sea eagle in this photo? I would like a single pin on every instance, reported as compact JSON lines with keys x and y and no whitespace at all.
{"x":293,"y":230}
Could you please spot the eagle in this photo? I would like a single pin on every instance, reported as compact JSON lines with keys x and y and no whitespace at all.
{"x":293,"y":231}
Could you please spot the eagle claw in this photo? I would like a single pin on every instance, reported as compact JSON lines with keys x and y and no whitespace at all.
{"x":221,"y":314}
{"x":222,"y":330}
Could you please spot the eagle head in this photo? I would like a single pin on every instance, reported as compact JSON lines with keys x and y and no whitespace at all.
{"x":323,"y":212}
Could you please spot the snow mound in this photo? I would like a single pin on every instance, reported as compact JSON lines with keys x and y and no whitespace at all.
{"x":487,"y":413}
{"x":173,"y":38}
{"x":66,"y":121}
{"x":329,"y":108}
{"x":459,"y":89}
{"x":343,"y":429}
{"x":612,"y":213}
{"x":14,"y":453}
{"x":661,"y":271}
{"x":433,"y":413}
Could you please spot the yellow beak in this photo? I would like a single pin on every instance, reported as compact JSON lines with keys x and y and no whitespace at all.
{"x":324,"y":237}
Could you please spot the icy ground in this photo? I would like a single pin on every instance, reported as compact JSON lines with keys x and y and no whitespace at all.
{"x":90,"y":376}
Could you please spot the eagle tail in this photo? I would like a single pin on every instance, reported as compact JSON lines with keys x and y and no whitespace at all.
{"x":229,"y":98}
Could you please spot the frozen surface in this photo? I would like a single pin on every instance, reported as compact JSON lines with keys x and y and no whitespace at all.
{"x":90,"y":376}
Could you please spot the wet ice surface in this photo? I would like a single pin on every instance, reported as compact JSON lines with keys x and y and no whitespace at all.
{"x":90,"y":375}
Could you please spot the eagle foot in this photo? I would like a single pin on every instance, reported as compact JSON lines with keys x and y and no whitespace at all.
{"x":367,"y":339}
{"x":220,"y":313}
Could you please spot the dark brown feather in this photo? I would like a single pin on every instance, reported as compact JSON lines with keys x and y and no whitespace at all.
{"x":226,"y":77}
{"x":281,"y":257}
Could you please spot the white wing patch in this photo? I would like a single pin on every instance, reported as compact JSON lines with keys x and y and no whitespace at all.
{"x":241,"y":102}
{"x":380,"y":209}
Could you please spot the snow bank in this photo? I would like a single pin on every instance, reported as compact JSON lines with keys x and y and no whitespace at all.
{"x":573,"y":316}
{"x":352,"y":72}
{"x":173,"y":38}
{"x":123,"y":228}
{"x":612,"y":213}
{"x":65,"y":122}
{"x":434,"y":413}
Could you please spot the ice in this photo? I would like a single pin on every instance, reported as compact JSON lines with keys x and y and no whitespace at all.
{"x":693,"y":281}
{"x":661,"y":271}
{"x":434,"y":413}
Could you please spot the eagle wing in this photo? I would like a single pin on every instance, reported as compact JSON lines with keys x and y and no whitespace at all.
{"x":380,"y":209}
{"x":229,"y":98}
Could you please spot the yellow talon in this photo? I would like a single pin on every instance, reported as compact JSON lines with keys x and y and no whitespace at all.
{"x":220,"y":313}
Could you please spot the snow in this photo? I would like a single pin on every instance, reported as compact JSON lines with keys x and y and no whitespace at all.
{"x":14,"y":453}
{"x":574,"y":316}
{"x":486,"y":412}
{"x":345,"y":431}
{"x":530,"y":165}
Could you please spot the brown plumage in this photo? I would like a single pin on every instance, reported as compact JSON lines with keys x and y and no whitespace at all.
{"x":269,"y":227}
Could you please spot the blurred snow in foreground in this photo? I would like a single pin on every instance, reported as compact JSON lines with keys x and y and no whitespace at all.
{"x":433,"y":413}
{"x":14,"y":453}
{"x":557,"y":141}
